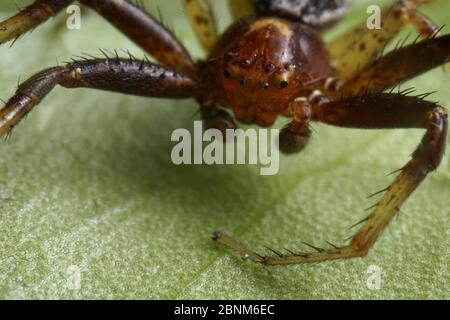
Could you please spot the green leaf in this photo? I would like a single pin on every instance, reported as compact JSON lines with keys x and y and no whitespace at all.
{"x":87,"y":185}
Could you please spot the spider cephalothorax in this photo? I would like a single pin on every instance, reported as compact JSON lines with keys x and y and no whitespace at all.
{"x":270,"y":62}
{"x":266,"y":66}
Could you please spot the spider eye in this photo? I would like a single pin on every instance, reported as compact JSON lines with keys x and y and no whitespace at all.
{"x":270,"y":67}
{"x":246,"y":62}
{"x":227,"y":74}
{"x":284,"y":84}
{"x":265,"y":86}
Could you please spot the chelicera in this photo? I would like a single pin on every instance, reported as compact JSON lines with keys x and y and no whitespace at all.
{"x":270,"y":62}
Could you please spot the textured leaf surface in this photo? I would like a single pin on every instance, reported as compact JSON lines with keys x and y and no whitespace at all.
{"x":87,"y":183}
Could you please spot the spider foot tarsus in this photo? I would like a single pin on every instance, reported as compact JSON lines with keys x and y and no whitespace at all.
{"x":226,"y":240}
{"x":292,"y":257}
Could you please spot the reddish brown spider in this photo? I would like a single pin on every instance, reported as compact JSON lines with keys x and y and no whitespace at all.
{"x":268,"y":63}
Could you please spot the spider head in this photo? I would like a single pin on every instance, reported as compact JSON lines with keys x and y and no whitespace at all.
{"x":267,"y":65}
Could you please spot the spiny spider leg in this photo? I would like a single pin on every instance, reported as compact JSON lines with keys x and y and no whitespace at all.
{"x":135,"y":23}
{"x":399,"y":65}
{"x":203,"y":22}
{"x":372,"y":111}
{"x":241,"y":8}
{"x":145,"y":31}
{"x":358,"y":47}
{"x":117,"y":75}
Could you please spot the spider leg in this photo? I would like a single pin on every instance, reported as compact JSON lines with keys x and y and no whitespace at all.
{"x":145,"y":31}
{"x":296,"y":135}
{"x":30,"y":17}
{"x":131,"y":20}
{"x":203,"y":22}
{"x":399,"y":65}
{"x":372,"y":111}
{"x":216,"y":118}
{"x":117,"y":75}
{"x":241,"y":8}
{"x":358,"y":47}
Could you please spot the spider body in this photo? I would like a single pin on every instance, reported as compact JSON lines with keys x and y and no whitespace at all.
{"x":263,"y":64}
{"x":270,"y":62}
